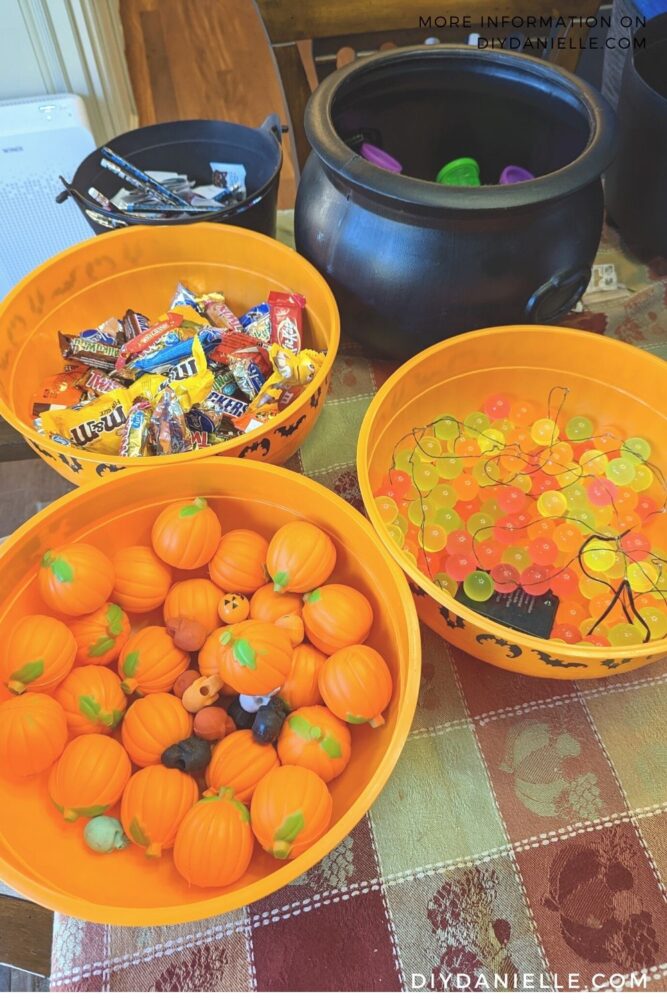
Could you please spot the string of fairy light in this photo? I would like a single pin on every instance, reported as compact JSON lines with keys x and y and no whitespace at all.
{"x":595,"y":480}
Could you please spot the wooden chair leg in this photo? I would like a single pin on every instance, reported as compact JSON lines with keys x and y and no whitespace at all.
{"x":26,"y":931}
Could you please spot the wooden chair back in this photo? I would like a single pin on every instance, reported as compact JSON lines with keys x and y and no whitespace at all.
{"x":290,"y":24}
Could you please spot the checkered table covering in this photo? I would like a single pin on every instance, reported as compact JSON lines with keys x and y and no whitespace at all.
{"x":521,"y":835}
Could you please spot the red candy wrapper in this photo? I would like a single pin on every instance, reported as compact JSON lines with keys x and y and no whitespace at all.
{"x":230,"y":343}
{"x":286,"y":319}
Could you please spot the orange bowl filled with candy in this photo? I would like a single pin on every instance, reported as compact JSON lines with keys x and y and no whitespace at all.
{"x":518,"y":476}
{"x":207,"y":675}
{"x":166,"y":344}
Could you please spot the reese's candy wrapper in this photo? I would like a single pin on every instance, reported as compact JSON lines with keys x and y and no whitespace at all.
{"x":147,"y":337}
{"x":59,"y":390}
{"x":286,"y":310}
{"x":96,"y":425}
{"x":250,"y":367}
{"x":169,"y":433}
{"x":90,"y":352}
{"x":256,"y":323}
{"x":134,"y":436}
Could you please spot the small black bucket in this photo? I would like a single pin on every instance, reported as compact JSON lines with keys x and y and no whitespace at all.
{"x":636,"y":183}
{"x":187,"y":147}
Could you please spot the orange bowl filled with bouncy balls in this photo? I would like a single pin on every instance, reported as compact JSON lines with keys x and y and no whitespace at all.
{"x":128,"y":712}
{"x":139,"y":268}
{"x":517,"y":475}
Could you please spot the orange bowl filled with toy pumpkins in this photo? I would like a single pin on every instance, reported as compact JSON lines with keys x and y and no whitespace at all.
{"x":207,"y":676}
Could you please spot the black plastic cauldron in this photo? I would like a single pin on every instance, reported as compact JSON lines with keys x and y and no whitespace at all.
{"x":412,"y":262}
{"x":636,"y":183}
{"x":188,"y":147}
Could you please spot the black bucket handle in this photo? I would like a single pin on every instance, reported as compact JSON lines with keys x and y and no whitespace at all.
{"x":273,"y":125}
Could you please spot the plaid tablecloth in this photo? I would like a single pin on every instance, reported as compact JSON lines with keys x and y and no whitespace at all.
{"x":521,"y":836}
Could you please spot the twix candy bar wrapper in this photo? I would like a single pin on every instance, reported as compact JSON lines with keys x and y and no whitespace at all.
{"x":97,"y":425}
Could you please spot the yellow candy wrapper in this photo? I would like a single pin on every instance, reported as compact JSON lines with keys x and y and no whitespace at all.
{"x":97,"y":425}
{"x":294,"y":368}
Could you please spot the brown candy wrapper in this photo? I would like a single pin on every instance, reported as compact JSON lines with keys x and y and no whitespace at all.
{"x":89,"y":352}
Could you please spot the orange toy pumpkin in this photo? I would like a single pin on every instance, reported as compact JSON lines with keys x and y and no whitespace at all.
{"x":267,"y":606}
{"x":356,"y":685}
{"x":301,"y":557}
{"x":154,"y":803}
{"x":186,"y":533}
{"x":239,"y":563}
{"x":293,"y":625}
{"x":290,"y":810}
{"x":150,"y":662}
{"x":90,"y":776}
{"x":257,"y":660}
{"x":152,"y":724}
{"x":212,"y":652}
{"x":75,"y":579}
{"x":301,"y":687}
{"x":336,"y":616}
{"x":100,"y":636}
{"x":39,"y":654}
{"x":214,"y":843}
{"x":92,"y":699}
{"x":142,"y":580}
{"x":314,"y":738}
{"x":239,"y":762}
{"x":234,"y":608}
{"x":33,"y":733}
{"x":197,"y":600}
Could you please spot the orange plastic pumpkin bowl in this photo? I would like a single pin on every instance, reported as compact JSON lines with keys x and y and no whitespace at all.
{"x":141,"y":265}
{"x":618,"y":384}
{"x":44,"y":857}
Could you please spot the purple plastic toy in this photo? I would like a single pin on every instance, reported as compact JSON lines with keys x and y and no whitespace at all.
{"x":378,"y":157}
{"x":513,"y":175}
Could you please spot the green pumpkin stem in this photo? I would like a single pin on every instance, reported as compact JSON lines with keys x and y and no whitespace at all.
{"x":191,"y":509}
{"x":280,"y":581}
{"x":281,"y":850}
{"x":312,"y":597}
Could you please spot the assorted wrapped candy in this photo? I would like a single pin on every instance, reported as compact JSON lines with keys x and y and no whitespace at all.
{"x":194,"y":377}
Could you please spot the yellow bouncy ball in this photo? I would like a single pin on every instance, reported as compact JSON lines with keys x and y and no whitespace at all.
{"x":449,"y":467}
{"x":599,"y":556}
{"x":446,"y":428}
{"x":387,"y":508}
{"x":643,"y":576}
{"x":491,"y":440}
{"x":430,"y":445}
{"x":625,"y":634}
{"x":594,"y":462}
{"x":445,"y":582}
{"x":544,"y":431}
{"x":433,"y":537}
{"x":551,"y":504}
{"x":443,"y":495}
{"x":425,"y":476}
{"x":656,"y":619}
{"x":643,"y":479}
